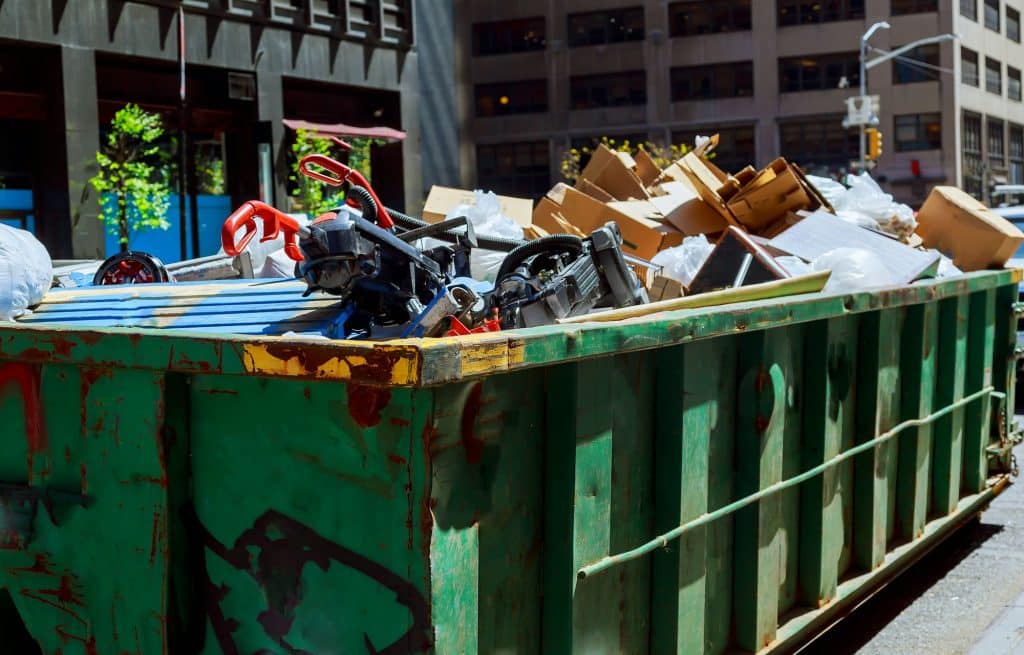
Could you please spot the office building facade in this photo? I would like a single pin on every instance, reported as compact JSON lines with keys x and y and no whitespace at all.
{"x":771,"y":76}
{"x":67,"y":67}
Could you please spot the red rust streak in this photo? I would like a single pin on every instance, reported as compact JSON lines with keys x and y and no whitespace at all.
{"x":26,"y":378}
{"x":155,"y":537}
{"x":65,"y":594}
{"x":366,"y":403}
{"x":85,"y":478}
{"x":42,"y":565}
{"x":88,"y":642}
{"x":473,"y":445}
{"x":27,"y":593}
{"x":396,"y":459}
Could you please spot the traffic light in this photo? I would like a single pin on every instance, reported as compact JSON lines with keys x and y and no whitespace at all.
{"x":874,"y":143}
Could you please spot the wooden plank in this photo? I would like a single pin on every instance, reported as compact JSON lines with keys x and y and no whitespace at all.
{"x":760,"y":434}
{"x":877,"y":400}
{"x":949,"y":388}
{"x":830,"y":361}
{"x":981,"y":331}
{"x":917,"y":393}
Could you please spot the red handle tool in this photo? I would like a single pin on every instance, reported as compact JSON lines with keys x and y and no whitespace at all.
{"x":275,"y":222}
{"x":342,"y":174}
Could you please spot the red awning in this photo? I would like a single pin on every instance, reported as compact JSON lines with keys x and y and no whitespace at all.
{"x":341,"y":130}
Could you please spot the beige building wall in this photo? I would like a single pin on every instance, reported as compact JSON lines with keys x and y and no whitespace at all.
{"x":765,"y":44}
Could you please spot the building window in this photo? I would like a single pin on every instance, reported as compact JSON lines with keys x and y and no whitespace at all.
{"x":918,"y":132}
{"x":735,"y":151}
{"x":972,"y":155}
{"x":802,"y":12}
{"x":732,"y":80}
{"x":1013,"y":24}
{"x":818,"y":72}
{"x":514,"y":169}
{"x":601,"y":27}
{"x":969,"y":67}
{"x":508,"y":36}
{"x":914,"y":6}
{"x":506,"y":98}
{"x":992,"y":15}
{"x":608,"y":90}
{"x":1016,"y":154}
{"x":820,"y":146}
{"x":1013,"y":90}
{"x":969,"y":9}
{"x":905,"y":70}
{"x":993,"y":76}
{"x":995,"y":139}
{"x":694,"y":17}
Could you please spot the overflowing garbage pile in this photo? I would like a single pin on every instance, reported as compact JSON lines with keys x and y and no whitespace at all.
{"x":629,"y":239}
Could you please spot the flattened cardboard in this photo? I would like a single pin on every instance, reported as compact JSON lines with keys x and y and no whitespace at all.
{"x":820,"y":232}
{"x":594,"y":191}
{"x":442,"y":200}
{"x":646,"y":168}
{"x":775,"y":192}
{"x":963,"y":228}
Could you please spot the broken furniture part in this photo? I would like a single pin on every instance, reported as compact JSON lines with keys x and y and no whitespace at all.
{"x":736,"y":261}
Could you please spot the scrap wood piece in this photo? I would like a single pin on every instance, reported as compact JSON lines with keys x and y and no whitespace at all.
{"x":790,"y":287}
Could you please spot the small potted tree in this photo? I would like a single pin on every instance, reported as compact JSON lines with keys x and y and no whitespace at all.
{"x":132,"y":182}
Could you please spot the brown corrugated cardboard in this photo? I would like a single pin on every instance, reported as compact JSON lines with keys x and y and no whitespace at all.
{"x":594,"y":191}
{"x":442,"y":200}
{"x":640,"y":236}
{"x":965,"y":229}
{"x":646,"y":168}
{"x":686,"y":211}
{"x":614,"y":173}
{"x":771,"y":195}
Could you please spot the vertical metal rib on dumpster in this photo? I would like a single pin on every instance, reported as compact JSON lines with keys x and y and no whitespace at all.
{"x":697,"y":482}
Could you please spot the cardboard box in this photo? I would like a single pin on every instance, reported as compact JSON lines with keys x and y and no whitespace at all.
{"x":963,"y":228}
{"x":772,"y":194}
{"x":682,"y":208}
{"x":641,"y":237}
{"x":442,"y":200}
{"x":615,"y":173}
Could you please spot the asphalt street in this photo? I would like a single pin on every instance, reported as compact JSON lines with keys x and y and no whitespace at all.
{"x":966,"y":596}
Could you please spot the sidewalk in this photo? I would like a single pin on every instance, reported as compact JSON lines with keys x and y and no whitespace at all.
{"x":1006,"y":634}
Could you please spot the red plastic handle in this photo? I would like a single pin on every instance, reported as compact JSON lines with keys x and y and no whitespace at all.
{"x":274,"y":223}
{"x":342,"y":174}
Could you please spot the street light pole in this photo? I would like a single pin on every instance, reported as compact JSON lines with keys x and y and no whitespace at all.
{"x":864,"y":85}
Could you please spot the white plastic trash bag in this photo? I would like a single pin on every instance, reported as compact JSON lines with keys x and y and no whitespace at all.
{"x":485,"y":215}
{"x":683,"y":262}
{"x":827,"y":187}
{"x":853,"y":269}
{"x":26,"y":272}
{"x":866,"y":204}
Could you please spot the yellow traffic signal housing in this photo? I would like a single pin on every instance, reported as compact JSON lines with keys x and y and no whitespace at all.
{"x":874,"y":143}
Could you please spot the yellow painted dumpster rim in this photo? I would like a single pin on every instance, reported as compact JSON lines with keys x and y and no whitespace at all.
{"x":429,"y":362}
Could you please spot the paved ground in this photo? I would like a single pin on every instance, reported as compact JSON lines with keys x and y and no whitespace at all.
{"x":966,"y":596}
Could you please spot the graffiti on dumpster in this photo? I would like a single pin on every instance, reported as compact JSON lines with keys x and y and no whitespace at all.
{"x":274,"y":552}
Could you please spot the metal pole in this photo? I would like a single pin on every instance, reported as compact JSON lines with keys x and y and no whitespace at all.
{"x":863,"y":96}
{"x":183,"y":157}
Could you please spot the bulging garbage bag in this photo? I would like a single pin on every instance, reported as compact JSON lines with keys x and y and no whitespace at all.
{"x":853,"y":269}
{"x":865,"y":203}
{"x":26,"y":272}
{"x":485,"y":215}
{"x":683,"y":262}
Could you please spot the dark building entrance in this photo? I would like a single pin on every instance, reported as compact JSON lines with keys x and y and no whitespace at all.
{"x":33,"y":163}
{"x":361,"y":107}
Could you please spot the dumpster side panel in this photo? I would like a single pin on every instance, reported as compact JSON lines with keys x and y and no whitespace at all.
{"x":83,"y":509}
{"x":486,"y":497}
{"x":309,"y":501}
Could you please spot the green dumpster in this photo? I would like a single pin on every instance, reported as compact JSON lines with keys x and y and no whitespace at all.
{"x":704,"y":481}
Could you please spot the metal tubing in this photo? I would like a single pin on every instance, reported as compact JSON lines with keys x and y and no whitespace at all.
{"x":663,"y":540}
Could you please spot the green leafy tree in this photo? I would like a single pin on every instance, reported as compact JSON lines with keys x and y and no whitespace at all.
{"x":314,"y":197}
{"x":132,"y":170}
{"x":311,"y":196}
